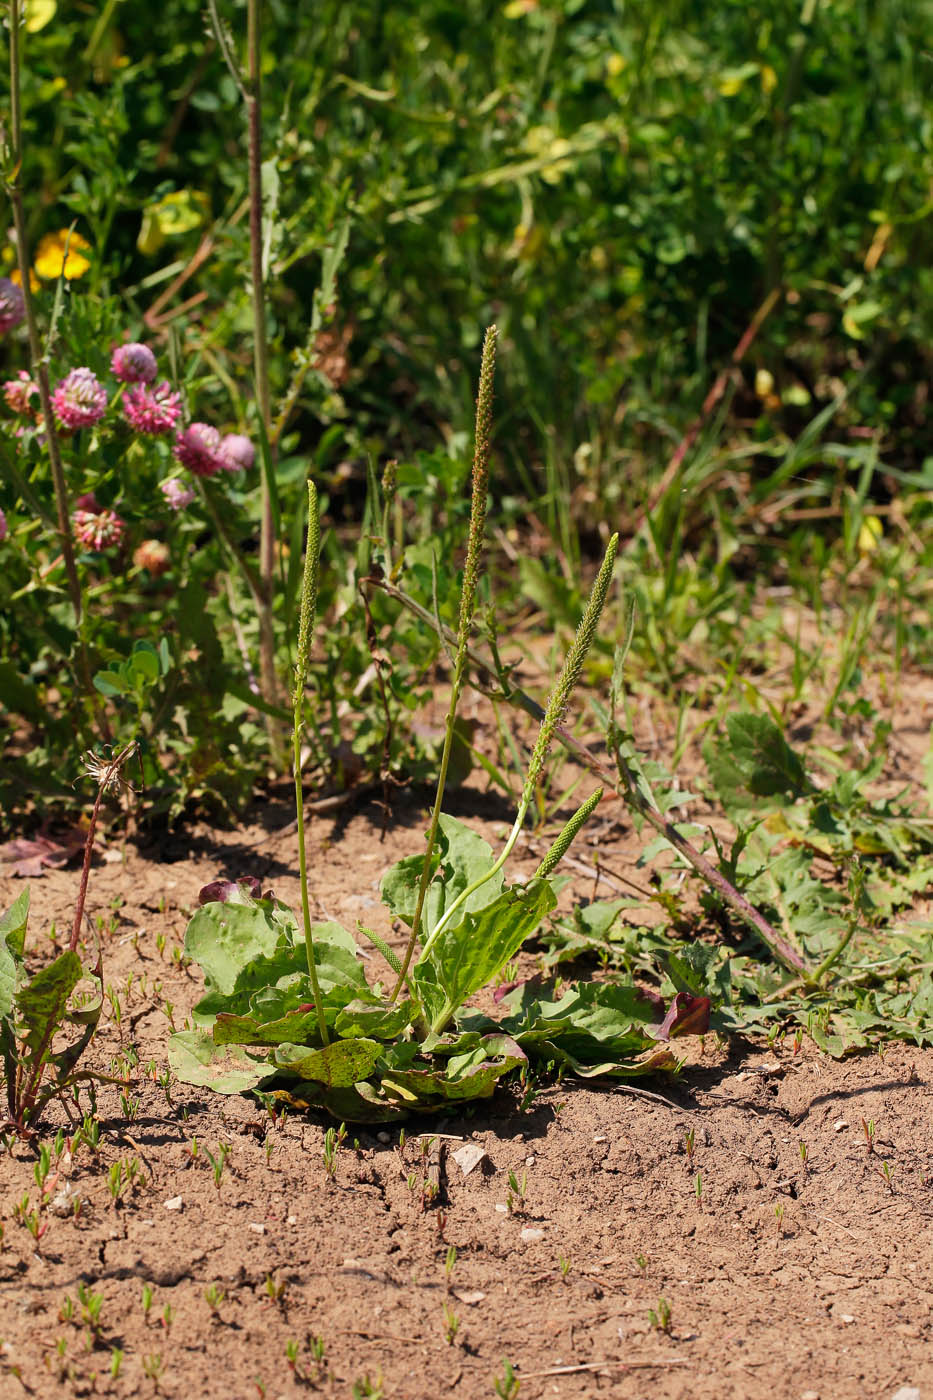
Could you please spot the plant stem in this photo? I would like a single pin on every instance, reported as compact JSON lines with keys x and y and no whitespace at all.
{"x":557,"y":704}
{"x":270,"y":685}
{"x":627,"y":790}
{"x":309,"y":585}
{"x":480,"y":494}
{"x":38,"y":363}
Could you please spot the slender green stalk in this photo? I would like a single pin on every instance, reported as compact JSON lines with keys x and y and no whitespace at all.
{"x":480,"y":494}
{"x":309,"y":584}
{"x":553,"y":716}
{"x":624,"y":783}
{"x":38,"y":363}
{"x":260,"y":343}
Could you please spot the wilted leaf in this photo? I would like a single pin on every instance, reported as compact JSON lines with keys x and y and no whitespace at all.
{"x":197,"y":1060}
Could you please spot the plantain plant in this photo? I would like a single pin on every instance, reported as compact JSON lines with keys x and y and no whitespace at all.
{"x":287,"y":1008}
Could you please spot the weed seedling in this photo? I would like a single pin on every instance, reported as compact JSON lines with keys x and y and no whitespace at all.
{"x":275,"y":1289}
{"x":168,"y":1317}
{"x":508,"y":1384}
{"x":515,"y":1199}
{"x":333,"y":1141}
{"x":91,"y":1304}
{"x":449,"y":1264}
{"x":152,"y":1368}
{"x":690,"y":1137}
{"x":868,"y":1128}
{"x":779,"y":1216}
{"x":146,"y":1302}
{"x":219,"y":1162}
{"x":886,"y":1172}
{"x":451,"y":1324}
{"x":660,"y":1317}
{"x":564,"y":1266}
{"x":116,"y":1361}
{"x":213,"y":1297}
{"x":698,"y":1188}
{"x":641,"y":1261}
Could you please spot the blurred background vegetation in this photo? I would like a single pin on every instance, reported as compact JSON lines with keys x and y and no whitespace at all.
{"x":619,"y":185}
{"x":652,"y":198}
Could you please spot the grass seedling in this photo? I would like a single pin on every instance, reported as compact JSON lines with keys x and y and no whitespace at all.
{"x":333,"y":1141}
{"x":779,"y":1216}
{"x":698,"y":1188}
{"x":641,"y":1263}
{"x":213,"y":1297}
{"x":116,"y":1361}
{"x":449,"y":1265}
{"x":868,"y":1128}
{"x":147,"y":1302}
{"x":886,"y":1171}
{"x":152,"y":1368}
{"x":563,"y":1265}
{"x":91,"y":1305}
{"x":508,"y":1384}
{"x":275,"y":1289}
{"x":168,"y":1317}
{"x":219,"y":1162}
{"x":690,"y":1137}
{"x":515,"y":1199}
{"x":660,"y":1317}
{"x":451,"y":1324}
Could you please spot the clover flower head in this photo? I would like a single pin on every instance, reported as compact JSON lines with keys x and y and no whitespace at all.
{"x":153,"y":555}
{"x":134,"y":364}
{"x":3,"y":527}
{"x":237,"y":453}
{"x":198,"y":449}
{"x":19,"y":391}
{"x":12,"y":305}
{"x":88,"y":502}
{"x":79,"y":399}
{"x":176,"y":493}
{"x":152,"y":410}
{"x":97,"y":530}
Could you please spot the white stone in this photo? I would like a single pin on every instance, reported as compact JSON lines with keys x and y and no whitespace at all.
{"x":256,"y":1228}
{"x":174,"y":1203}
{"x":532,"y":1236}
{"x":469,"y":1157}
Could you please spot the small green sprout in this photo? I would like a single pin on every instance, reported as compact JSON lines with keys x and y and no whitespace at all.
{"x":660,"y":1317}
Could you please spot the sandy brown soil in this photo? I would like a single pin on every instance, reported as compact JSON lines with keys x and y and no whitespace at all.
{"x":784,"y":1278}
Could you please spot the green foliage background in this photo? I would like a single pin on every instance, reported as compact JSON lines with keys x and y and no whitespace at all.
{"x":618,"y":185}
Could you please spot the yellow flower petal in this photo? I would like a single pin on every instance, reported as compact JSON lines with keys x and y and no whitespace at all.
{"x":38,"y":14}
{"x":51,"y":262}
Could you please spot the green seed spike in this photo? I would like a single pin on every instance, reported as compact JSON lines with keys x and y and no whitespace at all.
{"x":572,"y":668}
{"x":309,"y":582}
{"x":557,"y":704}
{"x":478,"y":500}
{"x":562,"y":844}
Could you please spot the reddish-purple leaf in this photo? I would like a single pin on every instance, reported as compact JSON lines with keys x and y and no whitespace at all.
{"x":29,"y":859}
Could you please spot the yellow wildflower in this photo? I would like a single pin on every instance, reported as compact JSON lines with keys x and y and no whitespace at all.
{"x":51,"y":260}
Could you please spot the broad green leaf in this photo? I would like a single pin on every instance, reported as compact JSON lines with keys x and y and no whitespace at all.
{"x":755,"y":761}
{"x":197,"y":1060}
{"x":462,"y":857}
{"x":354,"y":1103}
{"x":470,"y":1076}
{"x":336,"y":959}
{"x":12,"y":941}
{"x":467,"y":955}
{"x":359,"y":1018}
{"x":247,"y":1030}
{"x":44,"y":999}
{"x":339,"y":1064}
{"x":225,"y":938}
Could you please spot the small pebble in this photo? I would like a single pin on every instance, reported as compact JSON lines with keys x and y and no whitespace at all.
{"x":846,"y":1318}
{"x":810,"y":1395}
{"x":600,"y":1137}
{"x":174,"y":1203}
{"x":383,"y":1137}
{"x":840,"y":1125}
{"x":529,"y":1161}
{"x":256,"y":1228}
{"x":292,"y":1220}
{"x":502,"y":1208}
{"x":531,"y":1236}
{"x":906,"y":1392}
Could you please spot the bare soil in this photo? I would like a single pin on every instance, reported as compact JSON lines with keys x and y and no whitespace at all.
{"x":784,"y":1277}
